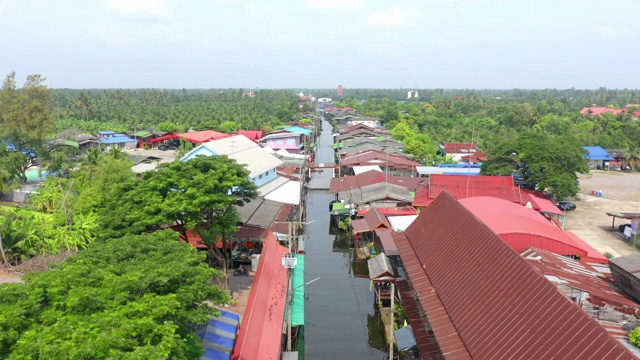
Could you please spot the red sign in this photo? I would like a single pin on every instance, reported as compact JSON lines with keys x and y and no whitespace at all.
{"x":339,"y":89}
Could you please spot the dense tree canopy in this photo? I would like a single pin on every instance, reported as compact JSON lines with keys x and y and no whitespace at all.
{"x":138,"y":297}
{"x":544,"y":162}
{"x":200,"y":194}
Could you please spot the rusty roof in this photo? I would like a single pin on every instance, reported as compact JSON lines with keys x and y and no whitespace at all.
{"x":568,"y":272}
{"x":374,"y":157}
{"x":355,"y":182}
{"x":375,"y":219}
{"x":483,"y":300}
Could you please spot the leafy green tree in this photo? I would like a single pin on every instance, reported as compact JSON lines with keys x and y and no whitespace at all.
{"x":25,"y":116}
{"x":634,"y":336}
{"x":544,"y":162}
{"x":228,"y":127}
{"x":138,"y":297}
{"x":402,"y":131}
{"x":14,"y":164}
{"x":167,"y":126}
{"x":200,"y":194}
{"x":421,"y":147}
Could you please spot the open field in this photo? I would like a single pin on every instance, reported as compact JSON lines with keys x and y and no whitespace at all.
{"x":621,"y":193}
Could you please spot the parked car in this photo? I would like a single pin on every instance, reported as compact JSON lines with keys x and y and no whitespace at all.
{"x":162,"y":147}
{"x":566,"y":205}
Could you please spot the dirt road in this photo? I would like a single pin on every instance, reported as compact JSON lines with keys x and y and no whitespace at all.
{"x":620,"y":193}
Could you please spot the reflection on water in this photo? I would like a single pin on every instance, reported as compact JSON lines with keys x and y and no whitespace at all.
{"x":340,"y":315}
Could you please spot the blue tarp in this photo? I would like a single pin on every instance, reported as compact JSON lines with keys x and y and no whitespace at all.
{"x":597,"y":153}
{"x":219,"y":336}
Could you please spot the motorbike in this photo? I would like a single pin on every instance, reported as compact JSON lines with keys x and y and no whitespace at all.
{"x":241,"y":271}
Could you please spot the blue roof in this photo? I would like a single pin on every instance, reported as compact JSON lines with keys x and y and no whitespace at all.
{"x":597,"y":153}
{"x":297,"y":129}
{"x":106,"y":132}
{"x":117,"y":139}
{"x":219,"y":336}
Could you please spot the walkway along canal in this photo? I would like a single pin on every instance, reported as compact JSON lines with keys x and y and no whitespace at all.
{"x":341,"y":320}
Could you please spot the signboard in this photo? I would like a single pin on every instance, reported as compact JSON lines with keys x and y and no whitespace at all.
{"x":339,"y":89}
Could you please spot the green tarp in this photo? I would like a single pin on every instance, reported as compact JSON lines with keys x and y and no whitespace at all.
{"x":297,"y":310}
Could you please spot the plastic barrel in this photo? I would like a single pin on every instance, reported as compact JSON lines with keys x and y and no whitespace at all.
{"x":255,"y":259}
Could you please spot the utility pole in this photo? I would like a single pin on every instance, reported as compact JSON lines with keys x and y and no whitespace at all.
{"x":393,"y":296}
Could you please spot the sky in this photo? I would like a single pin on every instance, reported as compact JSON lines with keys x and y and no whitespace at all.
{"x":174,"y":44}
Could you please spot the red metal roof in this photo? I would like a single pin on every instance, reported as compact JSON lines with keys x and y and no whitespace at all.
{"x":260,"y":333}
{"x":360,"y":226}
{"x":483,"y":300}
{"x":203,"y":136}
{"x":540,"y":202}
{"x":594,"y":111}
{"x":375,"y":219}
{"x":472,"y":181}
{"x":458,"y":148}
{"x":253,"y":135}
{"x":386,"y":240}
{"x":280,"y":224}
{"x":522,"y":228}
{"x":390,"y":211}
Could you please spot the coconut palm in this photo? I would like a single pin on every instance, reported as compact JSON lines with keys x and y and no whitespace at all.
{"x":59,"y":163}
{"x":631,"y":157}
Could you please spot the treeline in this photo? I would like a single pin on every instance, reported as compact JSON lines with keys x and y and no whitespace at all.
{"x":124,"y":109}
{"x":487,"y":121}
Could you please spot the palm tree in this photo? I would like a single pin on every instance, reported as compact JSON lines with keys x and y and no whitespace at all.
{"x":91,"y":160}
{"x":631,"y":157}
{"x":117,"y":153}
{"x":58,"y":163}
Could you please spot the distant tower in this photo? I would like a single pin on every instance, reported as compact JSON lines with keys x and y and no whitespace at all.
{"x":339,"y":90}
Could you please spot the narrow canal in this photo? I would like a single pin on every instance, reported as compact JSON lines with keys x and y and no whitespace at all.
{"x":341,"y":318}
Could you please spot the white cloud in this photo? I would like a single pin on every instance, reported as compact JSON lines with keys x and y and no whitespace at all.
{"x":609,"y":32}
{"x":337,"y":5}
{"x":394,"y":19}
{"x":156,"y":9}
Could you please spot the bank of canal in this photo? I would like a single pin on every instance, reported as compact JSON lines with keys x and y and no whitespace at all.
{"x":341,"y":321}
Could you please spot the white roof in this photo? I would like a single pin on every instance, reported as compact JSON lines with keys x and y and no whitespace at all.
{"x":360,"y":169}
{"x":245,"y":152}
{"x":142,"y":167}
{"x":268,"y":149}
{"x":429,"y":170}
{"x":401,"y":223}
{"x":288,"y":193}
{"x":272,"y":185}
{"x":285,"y":153}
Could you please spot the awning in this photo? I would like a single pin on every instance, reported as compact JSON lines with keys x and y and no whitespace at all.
{"x":386,"y":239}
{"x":297,"y":309}
{"x":219,"y":336}
{"x":405,"y":339}
{"x":163,"y":138}
{"x":360,"y":226}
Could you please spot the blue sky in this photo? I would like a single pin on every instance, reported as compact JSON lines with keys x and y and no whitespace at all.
{"x":475,"y":44}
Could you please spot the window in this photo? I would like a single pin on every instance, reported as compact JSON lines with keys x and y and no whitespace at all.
{"x":289,"y":141}
{"x":279,"y":142}
{"x":260,"y":176}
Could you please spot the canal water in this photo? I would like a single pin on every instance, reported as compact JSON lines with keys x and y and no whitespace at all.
{"x":341,"y":320}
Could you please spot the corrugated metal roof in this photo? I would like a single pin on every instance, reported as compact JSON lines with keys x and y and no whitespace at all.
{"x":485,"y":301}
{"x":581,"y":276}
{"x":259,"y":212}
{"x":427,"y":344}
{"x":597,"y":153}
{"x":261,"y":329}
{"x":373,"y":177}
{"x":374,"y":157}
{"x":386,"y":239}
{"x":360,"y":226}
{"x":375,"y":219}
{"x":380,"y":268}
{"x":522,"y":227}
